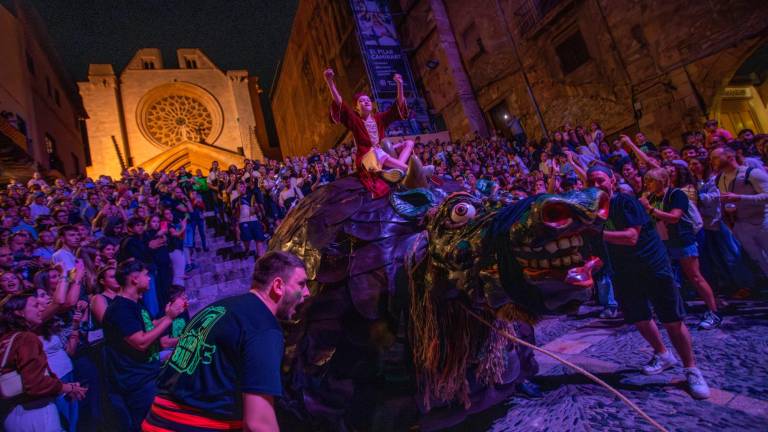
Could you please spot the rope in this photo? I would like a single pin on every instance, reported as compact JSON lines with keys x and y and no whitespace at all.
{"x":573,"y":366}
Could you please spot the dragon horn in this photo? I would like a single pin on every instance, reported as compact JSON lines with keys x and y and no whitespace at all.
{"x":415,"y":177}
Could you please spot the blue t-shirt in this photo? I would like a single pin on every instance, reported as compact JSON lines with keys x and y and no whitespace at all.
{"x":231,"y":347}
{"x":681,"y":233}
{"x":128,"y":369}
{"x":649,"y":253}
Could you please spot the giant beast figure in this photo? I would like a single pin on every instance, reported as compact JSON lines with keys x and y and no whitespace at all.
{"x":393,"y":280}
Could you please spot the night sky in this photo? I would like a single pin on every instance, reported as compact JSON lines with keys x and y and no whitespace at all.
{"x":234,"y":34}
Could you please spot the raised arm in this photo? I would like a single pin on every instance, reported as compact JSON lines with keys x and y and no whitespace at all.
{"x":639,"y":153}
{"x":576,"y":164}
{"x":400,"y":93}
{"x":329,"y":74}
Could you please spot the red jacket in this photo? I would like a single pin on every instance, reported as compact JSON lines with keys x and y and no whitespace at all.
{"x":351,"y":119}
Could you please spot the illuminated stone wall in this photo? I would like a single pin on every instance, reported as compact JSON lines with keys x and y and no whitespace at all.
{"x":650,"y":56}
{"x":656,"y":65}
{"x":153,"y":112}
{"x":323,"y":35}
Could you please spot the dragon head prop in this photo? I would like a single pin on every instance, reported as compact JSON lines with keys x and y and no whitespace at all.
{"x":507,"y":264}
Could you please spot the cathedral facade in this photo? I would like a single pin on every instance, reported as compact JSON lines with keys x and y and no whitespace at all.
{"x":162,"y":118}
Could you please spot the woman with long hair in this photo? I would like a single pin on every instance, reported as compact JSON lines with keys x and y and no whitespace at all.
{"x":669,"y":207}
{"x":33,"y":410}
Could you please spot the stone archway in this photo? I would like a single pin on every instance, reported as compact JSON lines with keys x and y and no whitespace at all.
{"x":742,"y":101}
{"x":714,"y":77}
{"x":191,"y":156}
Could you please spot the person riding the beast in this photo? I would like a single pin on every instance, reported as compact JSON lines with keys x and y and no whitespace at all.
{"x":376,"y":160}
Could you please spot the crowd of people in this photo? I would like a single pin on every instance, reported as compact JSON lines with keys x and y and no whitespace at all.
{"x":93,"y":271}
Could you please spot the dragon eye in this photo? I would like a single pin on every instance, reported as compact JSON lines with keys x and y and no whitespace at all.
{"x":462,"y":213}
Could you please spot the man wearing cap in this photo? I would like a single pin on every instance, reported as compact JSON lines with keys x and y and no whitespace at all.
{"x":643,"y":278}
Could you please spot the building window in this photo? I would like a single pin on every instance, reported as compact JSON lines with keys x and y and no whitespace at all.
{"x":21,"y":124}
{"x":56,"y":97}
{"x":572,"y":53}
{"x":148,"y":64}
{"x":191,"y":62}
{"x":48,"y":86}
{"x":76,"y":162}
{"x":50,"y":144}
{"x":30,"y":64}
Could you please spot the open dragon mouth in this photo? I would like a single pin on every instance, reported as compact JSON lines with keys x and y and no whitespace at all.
{"x":560,"y":253}
{"x":558,"y":261}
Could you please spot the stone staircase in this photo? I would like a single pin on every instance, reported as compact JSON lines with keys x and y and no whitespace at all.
{"x":220,"y":272}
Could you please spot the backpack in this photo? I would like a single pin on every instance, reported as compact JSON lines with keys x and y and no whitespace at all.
{"x":746,"y":177}
{"x":692,"y":215}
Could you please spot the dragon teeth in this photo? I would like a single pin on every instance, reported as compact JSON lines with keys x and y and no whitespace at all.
{"x":557,"y":262}
{"x":575,"y":258}
{"x":537,"y":249}
{"x":526,"y":249}
{"x":576,"y":241}
{"x":551,"y":247}
{"x":566,"y":261}
{"x":523,"y":262}
{"x":564,"y":243}
{"x":544,"y":263}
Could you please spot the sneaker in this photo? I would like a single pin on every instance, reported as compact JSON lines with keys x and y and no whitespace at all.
{"x":392,"y":175}
{"x":697,"y":385}
{"x":610,"y":312}
{"x":659,"y":363}
{"x":710,"y":321}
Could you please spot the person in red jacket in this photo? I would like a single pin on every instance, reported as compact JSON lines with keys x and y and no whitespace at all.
{"x":374,"y":163}
{"x":33,"y":409}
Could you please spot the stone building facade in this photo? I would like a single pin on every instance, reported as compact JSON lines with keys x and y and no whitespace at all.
{"x":322,"y":35}
{"x":40,"y":111}
{"x":157,"y":117}
{"x":659,"y":66}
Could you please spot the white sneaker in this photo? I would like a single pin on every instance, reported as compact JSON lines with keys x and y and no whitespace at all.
{"x":659,"y":363}
{"x":697,"y":385}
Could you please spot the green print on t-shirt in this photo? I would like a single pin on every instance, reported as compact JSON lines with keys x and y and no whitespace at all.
{"x":154,"y":352}
{"x":191,"y":349}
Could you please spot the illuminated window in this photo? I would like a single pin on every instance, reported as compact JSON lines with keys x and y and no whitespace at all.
{"x":148,"y":64}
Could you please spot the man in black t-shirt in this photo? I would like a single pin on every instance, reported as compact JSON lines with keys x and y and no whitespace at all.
{"x":225,"y":370}
{"x":644,"y":282}
{"x":132,"y":345}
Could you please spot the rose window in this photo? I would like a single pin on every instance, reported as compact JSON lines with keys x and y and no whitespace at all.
{"x":175,"y":119}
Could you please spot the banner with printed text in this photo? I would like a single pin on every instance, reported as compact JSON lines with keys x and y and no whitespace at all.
{"x":383,"y":58}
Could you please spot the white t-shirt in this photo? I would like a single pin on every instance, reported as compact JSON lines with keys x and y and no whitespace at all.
{"x":58,"y":359}
{"x":64,"y":258}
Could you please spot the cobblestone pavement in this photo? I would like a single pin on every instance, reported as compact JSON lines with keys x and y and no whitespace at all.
{"x":733,"y":358}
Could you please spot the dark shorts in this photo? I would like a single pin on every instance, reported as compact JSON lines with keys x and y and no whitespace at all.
{"x":251,"y":231}
{"x":642,"y":292}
